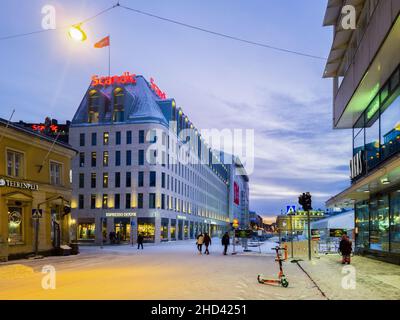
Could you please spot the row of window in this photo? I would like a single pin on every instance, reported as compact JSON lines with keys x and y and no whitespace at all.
{"x":166,"y":203}
{"x":16,"y":165}
{"x":118,"y":138}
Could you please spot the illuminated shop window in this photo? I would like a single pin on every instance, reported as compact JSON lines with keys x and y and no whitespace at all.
{"x":146,"y":227}
{"x":15,"y":225}
{"x":118,"y":113}
{"x":15,"y":164}
{"x":86,"y":231}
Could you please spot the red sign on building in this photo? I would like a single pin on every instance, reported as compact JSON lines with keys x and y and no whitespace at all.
{"x":236,"y":193}
{"x":126,"y":78}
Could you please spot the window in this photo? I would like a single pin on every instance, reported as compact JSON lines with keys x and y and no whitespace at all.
{"x":379,"y":223}
{"x":140,"y":179}
{"x":117,"y":158}
{"x":163,"y":201}
{"x":141,"y":158}
{"x":152,"y":179}
{"x":395,"y":222}
{"x":105,"y":180}
{"x":105,"y":201}
{"x":152,"y":200}
{"x":92,"y":201}
{"x":81,"y":180}
{"x":127,"y":201}
{"x":129,"y":137}
{"x":94,"y":156}
{"x":162,"y":179}
{"x":81,"y":159}
{"x":106,"y":138}
{"x":15,"y":225}
{"x":93,"y":180}
{"x":118,"y":137}
{"x":118,"y":113}
{"x":128,"y":157}
{"x":15,"y":164}
{"x":55,"y":173}
{"x":117,"y":200}
{"x":140,"y":200}
{"x":105,"y":158}
{"x":117,"y":179}
{"x":93,"y":110}
{"x":152,"y":135}
{"x":81,"y":201}
{"x":82,"y":140}
{"x":128,"y":180}
{"x":94,"y":138}
{"x":141,"y":136}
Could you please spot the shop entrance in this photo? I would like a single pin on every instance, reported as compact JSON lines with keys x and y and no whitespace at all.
{"x":122,"y":229}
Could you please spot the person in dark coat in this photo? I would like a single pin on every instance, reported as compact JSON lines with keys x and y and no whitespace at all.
{"x":199,"y":242}
{"x":140,"y":241}
{"x":207,"y":242}
{"x":345,"y":248}
{"x":225,"y":242}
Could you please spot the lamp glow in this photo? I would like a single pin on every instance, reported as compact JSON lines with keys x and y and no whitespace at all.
{"x":76,"y":33}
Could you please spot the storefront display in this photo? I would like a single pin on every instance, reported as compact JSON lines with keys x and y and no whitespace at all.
{"x":173,"y":229}
{"x":164,"y":229}
{"x":146,"y":227}
{"x":86,"y":231}
{"x":15,"y":225}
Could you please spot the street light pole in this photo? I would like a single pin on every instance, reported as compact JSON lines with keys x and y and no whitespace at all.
{"x":309,"y":234}
{"x":291,"y":234}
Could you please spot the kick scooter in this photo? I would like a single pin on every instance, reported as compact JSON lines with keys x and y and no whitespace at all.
{"x":281,"y":276}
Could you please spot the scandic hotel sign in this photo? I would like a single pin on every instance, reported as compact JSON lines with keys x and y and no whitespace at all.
{"x":125,"y":78}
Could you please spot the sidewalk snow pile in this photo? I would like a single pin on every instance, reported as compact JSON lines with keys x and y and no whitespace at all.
{"x":364,"y":279}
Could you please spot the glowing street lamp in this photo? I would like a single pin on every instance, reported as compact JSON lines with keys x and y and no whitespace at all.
{"x":76,"y":33}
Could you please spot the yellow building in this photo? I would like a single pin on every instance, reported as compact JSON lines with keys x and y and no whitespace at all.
{"x":34,"y":179}
{"x":297,"y":222}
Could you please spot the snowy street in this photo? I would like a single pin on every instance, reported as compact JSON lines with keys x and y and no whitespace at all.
{"x":164,"y":271}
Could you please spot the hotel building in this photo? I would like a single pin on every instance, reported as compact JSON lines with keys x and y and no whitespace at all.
{"x":364,"y":65}
{"x":138,"y":172}
{"x":34,"y":178}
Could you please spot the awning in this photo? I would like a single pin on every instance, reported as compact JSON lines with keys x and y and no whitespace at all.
{"x":343,"y":220}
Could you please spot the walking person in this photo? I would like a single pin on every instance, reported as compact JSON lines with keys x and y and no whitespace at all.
{"x":345,"y":248}
{"x":225,"y":242}
{"x":140,"y":241}
{"x":200,"y":241}
{"x":207,"y":242}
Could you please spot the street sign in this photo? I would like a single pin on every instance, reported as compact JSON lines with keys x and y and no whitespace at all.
{"x":37,"y":213}
{"x":290,"y":209}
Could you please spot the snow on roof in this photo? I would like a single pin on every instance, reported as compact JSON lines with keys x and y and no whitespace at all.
{"x":343,"y":220}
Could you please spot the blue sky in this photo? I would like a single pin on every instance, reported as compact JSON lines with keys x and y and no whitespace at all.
{"x":218,"y":82}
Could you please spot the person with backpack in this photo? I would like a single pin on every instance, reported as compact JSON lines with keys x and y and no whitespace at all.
{"x":207,"y":242}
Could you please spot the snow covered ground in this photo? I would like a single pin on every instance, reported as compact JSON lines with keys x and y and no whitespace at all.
{"x":372,"y":279}
{"x":163,"y":271}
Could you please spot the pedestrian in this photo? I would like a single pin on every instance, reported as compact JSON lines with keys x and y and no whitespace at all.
{"x":111,"y":236}
{"x":345,"y":248}
{"x":200,"y":241}
{"x":140,"y":241}
{"x":207,"y":242}
{"x":225,"y":242}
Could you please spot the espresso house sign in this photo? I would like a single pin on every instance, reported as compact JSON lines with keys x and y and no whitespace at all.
{"x":18,"y":184}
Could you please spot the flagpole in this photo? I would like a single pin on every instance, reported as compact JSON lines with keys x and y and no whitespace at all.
{"x":109,"y":56}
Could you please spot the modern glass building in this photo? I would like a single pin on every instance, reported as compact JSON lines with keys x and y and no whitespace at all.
{"x":364,"y":64}
{"x":143,"y":167}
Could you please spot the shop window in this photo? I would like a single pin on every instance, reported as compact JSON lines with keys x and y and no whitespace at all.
{"x":15,"y":225}
{"x":55,"y":173}
{"x":395,"y":222}
{"x":86,"y":231}
{"x":146,"y":227}
{"x":173,"y":229}
{"x":164,"y":229}
{"x":362,"y":225}
{"x":379,"y":223}
{"x":15,"y":164}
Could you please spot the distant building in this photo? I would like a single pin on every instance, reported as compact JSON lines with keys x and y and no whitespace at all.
{"x":297,"y":222}
{"x":50,"y":127}
{"x":256,"y":221}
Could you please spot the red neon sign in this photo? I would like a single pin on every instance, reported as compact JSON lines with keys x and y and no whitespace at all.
{"x":126,"y":78}
{"x":157,"y":91}
{"x":42,"y":127}
{"x":236,"y":193}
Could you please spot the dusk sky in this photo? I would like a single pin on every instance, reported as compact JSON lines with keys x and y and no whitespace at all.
{"x":219,"y":83}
